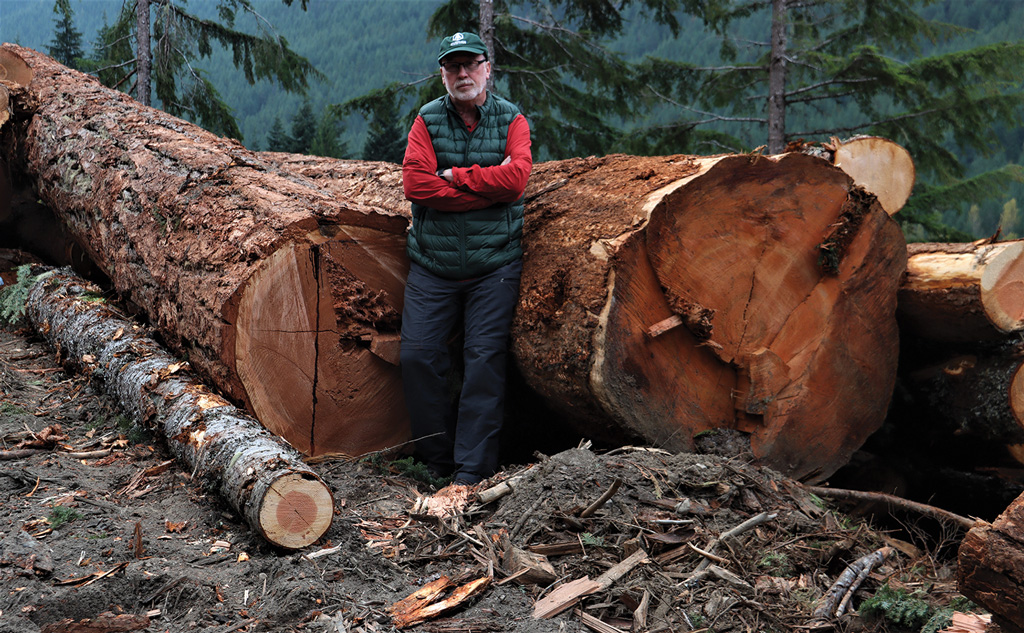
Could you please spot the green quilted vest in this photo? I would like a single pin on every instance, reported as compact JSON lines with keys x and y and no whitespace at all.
{"x":472,"y":243}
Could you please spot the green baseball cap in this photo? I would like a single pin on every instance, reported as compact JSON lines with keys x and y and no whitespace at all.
{"x":462,"y":43}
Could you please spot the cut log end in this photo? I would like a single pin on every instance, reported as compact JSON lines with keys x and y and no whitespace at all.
{"x":296,"y":511}
{"x":880,"y":166}
{"x":1002,"y":288}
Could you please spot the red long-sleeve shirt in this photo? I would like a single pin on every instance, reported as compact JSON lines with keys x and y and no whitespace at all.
{"x":473,"y":187}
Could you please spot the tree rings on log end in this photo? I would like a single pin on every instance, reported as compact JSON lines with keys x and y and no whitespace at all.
{"x":297,"y":510}
{"x":304,"y":340}
{"x":1002,"y":288}
{"x":13,"y":68}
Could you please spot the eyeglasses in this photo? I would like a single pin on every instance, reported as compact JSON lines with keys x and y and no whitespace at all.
{"x":453,"y":67}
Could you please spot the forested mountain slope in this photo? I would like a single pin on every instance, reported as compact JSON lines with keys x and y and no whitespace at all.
{"x":360,"y":45}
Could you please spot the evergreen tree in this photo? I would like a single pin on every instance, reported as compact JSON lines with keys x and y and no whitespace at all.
{"x":66,"y":46}
{"x":277,"y":139}
{"x":386,"y":137}
{"x":327,"y":141}
{"x":179,"y":39}
{"x":548,"y":59}
{"x":859,"y":58}
{"x":303,"y":129}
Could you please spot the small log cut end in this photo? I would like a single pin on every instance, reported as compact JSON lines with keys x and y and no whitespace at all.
{"x":296,"y":511}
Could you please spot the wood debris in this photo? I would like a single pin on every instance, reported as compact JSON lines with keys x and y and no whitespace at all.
{"x":427,"y":602}
{"x":103,"y":623}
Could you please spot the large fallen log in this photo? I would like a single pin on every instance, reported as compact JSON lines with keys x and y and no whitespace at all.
{"x":662,"y":297}
{"x":258,"y":474}
{"x":669,"y":296}
{"x":990,"y":566}
{"x":285,"y":297}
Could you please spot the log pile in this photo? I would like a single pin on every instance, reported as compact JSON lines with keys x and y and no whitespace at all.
{"x":662,"y":297}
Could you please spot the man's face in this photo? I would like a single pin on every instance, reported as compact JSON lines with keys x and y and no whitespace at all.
{"x":462,"y":83}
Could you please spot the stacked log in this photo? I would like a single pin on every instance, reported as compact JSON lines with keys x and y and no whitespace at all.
{"x":662,"y":297}
{"x":790,"y":270}
{"x":961,"y":310}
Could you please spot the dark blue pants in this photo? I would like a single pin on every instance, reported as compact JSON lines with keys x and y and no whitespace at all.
{"x":463,"y":442}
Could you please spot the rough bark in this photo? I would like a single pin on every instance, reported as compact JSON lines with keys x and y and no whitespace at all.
{"x":258,"y":474}
{"x":799,"y":267}
{"x":990,"y":566}
{"x":282,"y":279}
{"x":275,"y":289}
{"x":978,"y":394}
{"x":963,"y":292}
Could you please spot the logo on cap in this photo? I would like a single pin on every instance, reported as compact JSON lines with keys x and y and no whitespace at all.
{"x":457,"y":39}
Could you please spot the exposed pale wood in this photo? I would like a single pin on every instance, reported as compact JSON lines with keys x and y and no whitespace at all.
{"x":596,"y":624}
{"x":990,"y":565}
{"x":963,"y":292}
{"x":563,"y":597}
{"x":259,"y":475}
{"x":879,"y":165}
{"x":530,"y":568}
{"x":424,"y":603}
{"x":968,"y":623}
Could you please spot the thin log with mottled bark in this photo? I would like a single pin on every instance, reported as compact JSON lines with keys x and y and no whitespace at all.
{"x":258,"y":474}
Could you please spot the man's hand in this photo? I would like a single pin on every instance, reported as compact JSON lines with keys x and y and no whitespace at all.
{"x":450,"y":177}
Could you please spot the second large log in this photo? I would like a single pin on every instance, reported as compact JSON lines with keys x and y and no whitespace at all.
{"x":778,"y":275}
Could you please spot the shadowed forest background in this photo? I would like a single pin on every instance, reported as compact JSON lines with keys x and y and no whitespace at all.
{"x":359,"y":46}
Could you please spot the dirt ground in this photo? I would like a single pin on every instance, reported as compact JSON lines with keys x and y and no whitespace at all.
{"x":101,"y":531}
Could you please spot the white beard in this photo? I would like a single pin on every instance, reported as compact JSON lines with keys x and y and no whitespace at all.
{"x":463,"y":90}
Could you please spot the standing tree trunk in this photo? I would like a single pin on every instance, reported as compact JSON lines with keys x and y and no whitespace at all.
{"x":487,"y":34}
{"x":144,"y":54}
{"x":777,"y":80}
{"x":283,"y":295}
{"x":783,"y":275}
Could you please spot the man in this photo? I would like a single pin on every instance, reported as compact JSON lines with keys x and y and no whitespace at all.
{"x":466,"y":165}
